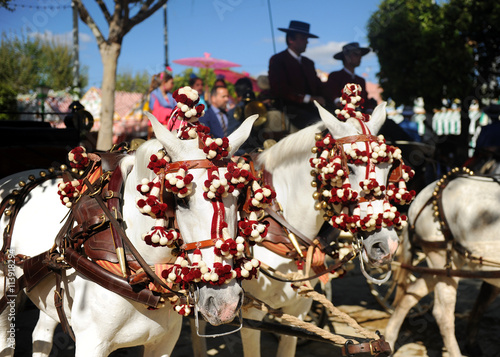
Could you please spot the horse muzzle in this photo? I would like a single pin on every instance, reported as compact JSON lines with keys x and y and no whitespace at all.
{"x":220,"y":305}
{"x":379,"y":251}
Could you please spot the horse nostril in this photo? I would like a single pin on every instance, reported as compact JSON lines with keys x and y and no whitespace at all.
{"x":378,"y":250}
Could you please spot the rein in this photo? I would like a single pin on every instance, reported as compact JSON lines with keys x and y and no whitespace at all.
{"x":272,"y":273}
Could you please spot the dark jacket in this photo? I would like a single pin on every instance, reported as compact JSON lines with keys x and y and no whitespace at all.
{"x":211,"y":120}
{"x":290,"y":79}
{"x":336,"y":82}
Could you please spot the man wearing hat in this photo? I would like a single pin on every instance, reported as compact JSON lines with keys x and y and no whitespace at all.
{"x":294,"y":84}
{"x":351,"y":58}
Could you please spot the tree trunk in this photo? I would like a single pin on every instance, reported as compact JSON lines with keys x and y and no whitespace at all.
{"x":109,"y":56}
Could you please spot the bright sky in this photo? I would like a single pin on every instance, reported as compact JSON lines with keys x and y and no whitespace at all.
{"x":235,"y":30}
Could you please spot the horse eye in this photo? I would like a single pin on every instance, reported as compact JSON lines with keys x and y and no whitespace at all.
{"x":183,"y":202}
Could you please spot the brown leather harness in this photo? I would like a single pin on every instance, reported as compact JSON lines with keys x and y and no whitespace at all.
{"x":98,"y":232}
{"x":93,"y":229}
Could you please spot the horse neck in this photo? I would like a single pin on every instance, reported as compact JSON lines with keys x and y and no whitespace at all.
{"x":292,"y":183}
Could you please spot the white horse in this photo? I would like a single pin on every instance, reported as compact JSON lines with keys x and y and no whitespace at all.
{"x":104,"y":321}
{"x":470,"y":207}
{"x":289,"y":163}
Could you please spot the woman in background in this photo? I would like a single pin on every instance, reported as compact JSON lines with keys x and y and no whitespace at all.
{"x":161,"y":101}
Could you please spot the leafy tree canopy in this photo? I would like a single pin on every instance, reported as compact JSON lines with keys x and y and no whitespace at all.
{"x":128,"y":82}
{"x":32,"y":61}
{"x":437,"y":50}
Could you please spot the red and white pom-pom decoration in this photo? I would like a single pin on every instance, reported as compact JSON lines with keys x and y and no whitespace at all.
{"x":239,"y":174}
{"x":187,"y":104}
{"x":158,"y":161}
{"x":246,"y":269}
{"x":351,"y":99}
{"x":370,"y":186}
{"x":188,"y":132}
{"x":69,"y":191}
{"x":183,"y":309}
{"x":344,"y":195}
{"x":261,"y":196}
{"x":159,"y":236}
{"x":250,"y":228}
{"x":149,"y":203}
{"x":334,"y":193}
{"x":179,"y":183}
{"x":216,"y":187}
{"x":78,"y":158}
{"x":228,"y":248}
{"x":216,"y":149}
{"x":400,"y":195}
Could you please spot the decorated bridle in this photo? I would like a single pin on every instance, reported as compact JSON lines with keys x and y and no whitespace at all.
{"x":336,"y":197}
{"x":175,"y":179}
{"x":173,"y":182}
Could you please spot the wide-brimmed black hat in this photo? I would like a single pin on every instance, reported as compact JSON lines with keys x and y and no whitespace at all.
{"x":299,"y":27}
{"x":350,"y":47}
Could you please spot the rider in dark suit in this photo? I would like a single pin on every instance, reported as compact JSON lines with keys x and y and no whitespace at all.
{"x":351,"y":58}
{"x":293,"y":79}
{"x":216,"y":118}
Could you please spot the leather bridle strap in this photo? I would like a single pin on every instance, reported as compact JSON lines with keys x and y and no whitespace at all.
{"x":144,"y":265}
{"x":198,"y":245}
{"x":281,"y":220}
{"x":356,"y":138}
{"x":266,"y":270}
{"x":195,"y":164}
{"x":376,"y":348}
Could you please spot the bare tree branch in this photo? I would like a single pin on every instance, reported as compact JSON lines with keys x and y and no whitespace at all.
{"x":104,"y":10}
{"x":87,"y":19}
{"x":144,"y":13}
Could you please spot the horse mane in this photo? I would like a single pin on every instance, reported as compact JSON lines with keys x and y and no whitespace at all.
{"x":140,"y":159}
{"x":291,"y":148}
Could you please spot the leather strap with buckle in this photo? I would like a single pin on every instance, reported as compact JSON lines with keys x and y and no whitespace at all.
{"x":379,"y":348}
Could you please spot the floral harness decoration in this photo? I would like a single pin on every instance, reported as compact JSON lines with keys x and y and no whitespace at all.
{"x":334,"y":193}
{"x":175,"y":179}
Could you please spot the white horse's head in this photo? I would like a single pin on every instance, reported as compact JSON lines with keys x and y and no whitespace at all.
{"x":380,"y":244}
{"x":201,"y":221}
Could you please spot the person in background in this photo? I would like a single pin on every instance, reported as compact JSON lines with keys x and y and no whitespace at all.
{"x":244,"y":93}
{"x":351,"y":58}
{"x":161,"y":101}
{"x":197,"y":84}
{"x":219,"y":81}
{"x":293,"y":81}
{"x":216,"y":118}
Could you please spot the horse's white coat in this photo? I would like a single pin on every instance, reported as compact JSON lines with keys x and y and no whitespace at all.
{"x":288,"y":161}
{"x":102,"y":320}
{"x":470,"y":209}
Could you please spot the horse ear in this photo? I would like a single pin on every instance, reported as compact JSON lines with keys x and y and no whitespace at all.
{"x":377,"y":118}
{"x":168,"y":139}
{"x":337,"y":128}
{"x":240,"y":135}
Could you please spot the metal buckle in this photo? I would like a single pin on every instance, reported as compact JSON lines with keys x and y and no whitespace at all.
{"x":346,"y":346}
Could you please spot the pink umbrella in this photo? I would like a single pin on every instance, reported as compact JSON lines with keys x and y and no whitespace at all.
{"x":232,"y":76}
{"x":206,"y":62}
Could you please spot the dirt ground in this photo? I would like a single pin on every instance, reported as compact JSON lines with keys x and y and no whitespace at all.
{"x":419,"y":336}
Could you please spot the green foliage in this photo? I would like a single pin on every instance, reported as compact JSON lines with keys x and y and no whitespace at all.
{"x":8,"y":103}
{"x":28,"y":62}
{"x":128,"y":82}
{"x":436,"y":50}
{"x":207,"y":74}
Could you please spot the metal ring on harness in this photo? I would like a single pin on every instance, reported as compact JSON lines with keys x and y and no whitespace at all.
{"x":346,"y":346}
